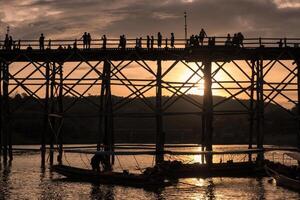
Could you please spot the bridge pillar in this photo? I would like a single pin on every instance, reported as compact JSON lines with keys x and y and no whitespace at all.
{"x":298,"y":100}
{"x":6,"y":137}
{"x":106,"y":112}
{"x":1,"y":111}
{"x":207,"y":116}
{"x":259,"y":109}
{"x":56,"y":111}
{"x":46,"y":113}
{"x":251,"y":107}
{"x":259,"y":103}
{"x":160,"y":137}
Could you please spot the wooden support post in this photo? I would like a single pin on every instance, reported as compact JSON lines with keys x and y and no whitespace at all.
{"x":208,"y":109}
{"x":1,"y":109}
{"x":259,"y":109}
{"x":106,"y":101}
{"x":52,"y":111}
{"x":60,"y":111}
{"x":251,"y":107}
{"x":46,"y":110}
{"x":7,"y":151}
{"x":160,"y":138}
{"x":298,"y":105}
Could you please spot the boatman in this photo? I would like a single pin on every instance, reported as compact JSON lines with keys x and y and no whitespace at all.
{"x":96,"y":160}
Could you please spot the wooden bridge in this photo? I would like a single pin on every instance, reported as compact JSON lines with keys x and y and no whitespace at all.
{"x":50,"y":74}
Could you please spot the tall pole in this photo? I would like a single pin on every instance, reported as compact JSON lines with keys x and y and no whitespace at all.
{"x":160,"y":138}
{"x":251,"y":107}
{"x":1,"y":110}
{"x":185,"y":26}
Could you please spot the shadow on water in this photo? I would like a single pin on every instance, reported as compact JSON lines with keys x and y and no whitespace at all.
{"x":210,"y":190}
{"x":261,"y":189}
{"x":102,"y":192}
{"x":5,"y":169}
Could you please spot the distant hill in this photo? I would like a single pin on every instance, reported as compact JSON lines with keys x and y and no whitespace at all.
{"x":27,"y":124}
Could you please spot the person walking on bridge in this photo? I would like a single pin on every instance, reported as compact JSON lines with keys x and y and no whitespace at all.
{"x":88,"y":41}
{"x":104,"y":41}
{"x":172,"y":40}
{"x":159,"y":39}
{"x":84,"y":40}
{"x":152,"y":42}
{"x":202,"y":35}
{"x":42,"y":41}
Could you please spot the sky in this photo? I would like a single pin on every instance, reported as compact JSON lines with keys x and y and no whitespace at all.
{"x":68,"y":19}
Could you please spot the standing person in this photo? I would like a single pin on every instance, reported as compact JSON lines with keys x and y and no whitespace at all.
{"x":88,"y":40}
{"x":159,"y":39}
{"x":235,"y":41}
{"x":240,"y":38}
{"x":104,"y":41}
{"x":148,"y":42}
{"x":166,"y":40}
{"x":140,"y":42}
{"x":84,"y":40}
{"x":202,"y":35}
{"x":120,"y":41}
{"x":124,"y":42}
{"x":152,"y":42}
{"x":228,"y":40}
{"x":172,"y":40}
{"x":42,"y":42}
{"x":96,"y":160}
{"x":75,"y":44}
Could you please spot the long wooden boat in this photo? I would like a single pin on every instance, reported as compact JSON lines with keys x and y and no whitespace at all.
{"x":115,"y":178}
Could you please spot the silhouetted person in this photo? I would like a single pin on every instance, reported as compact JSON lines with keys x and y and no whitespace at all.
{"x":29,"y":48}
{"x":280,"y":43}
{"x":75,"y":44}
{"x":60,"y":47}
{"x":140,"y":42}
{"x":84,"y":40}
{"x":120,"y":41}
{"x":49,"y":44}
{"x":228,"y":40}
{"x":6,"y":42}
{"x":88,"y":41}
{"x":166,"y":42}
{"x":235,"y":40}
{"x":192,"y":40}
{"x":124,"y":42}
{"x":202,"y":35}
{"x":211,"y":41}
{"x":104,"y":40}
{"x":148,"y":42}
{"x":96,"y":161}
{"x":42,"y":42}
{"x":172,"y":40}
{"x":196,"y":41}
{"x":159,"y":39}
{"x":240,"y":39}
{"x":136,"y":42}
{"x":152,"y":42}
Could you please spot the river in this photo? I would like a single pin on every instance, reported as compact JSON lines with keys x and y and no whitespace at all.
{"x":24,"y":179}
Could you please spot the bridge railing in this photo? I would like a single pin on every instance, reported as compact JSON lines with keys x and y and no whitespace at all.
{"x":113,"y":43}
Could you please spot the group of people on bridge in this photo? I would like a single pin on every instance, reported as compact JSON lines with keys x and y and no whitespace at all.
{"x":149,"y":42}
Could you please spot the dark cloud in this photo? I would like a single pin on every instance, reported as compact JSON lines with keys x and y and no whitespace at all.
{"x":69,"y":18}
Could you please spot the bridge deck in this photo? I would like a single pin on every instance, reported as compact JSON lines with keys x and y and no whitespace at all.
{"x":212,"y":53}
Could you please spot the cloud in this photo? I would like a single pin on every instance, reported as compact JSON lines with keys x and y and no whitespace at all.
{"x":70,"y":18}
